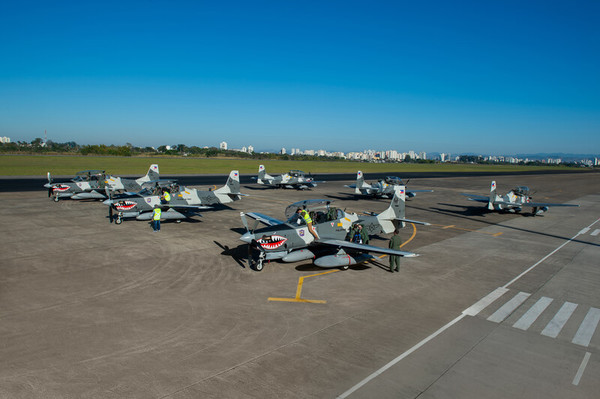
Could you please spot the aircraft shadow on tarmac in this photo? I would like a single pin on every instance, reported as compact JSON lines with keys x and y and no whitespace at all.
{"x":239,"y":253}
{"x":483,"y":213}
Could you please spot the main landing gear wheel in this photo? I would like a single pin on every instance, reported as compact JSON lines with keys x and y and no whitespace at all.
{"x":345,"y":267}
{"x":55,"y":198}
{"x":119,"y":220}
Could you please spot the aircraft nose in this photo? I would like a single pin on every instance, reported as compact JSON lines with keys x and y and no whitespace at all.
{"x":107,"y":202}
{"x":247,"y":237}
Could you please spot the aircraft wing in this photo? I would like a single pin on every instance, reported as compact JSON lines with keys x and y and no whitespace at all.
{"x":268,"y":220}
{"x":365,"y":248}
{"x":540,"y":204}
{"x":478,"y":198}
{"x":186,"y":207}
{"x":350,"y":185}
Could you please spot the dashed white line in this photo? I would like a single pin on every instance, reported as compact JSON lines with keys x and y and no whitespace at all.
{"x":533,"y":313}
{"x":587,"y":328}
{"x":595,"y":232}
{"x":509,"y":307}
{"x":485,"y":302}
{"x":582,"y":367}
{"x":559,"y":320}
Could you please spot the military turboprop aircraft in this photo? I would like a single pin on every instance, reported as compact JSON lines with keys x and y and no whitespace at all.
{"x":87,"y":184}
{"x":383,"y":188}
{"x":513,"y":201}
{"x":291,"y":241}
{"x":132,"y":185}
{"x":293,"y":179}
{"x":185,"y":202}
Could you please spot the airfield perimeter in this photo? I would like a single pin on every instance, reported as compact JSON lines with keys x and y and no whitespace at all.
{"x":92,"y":309}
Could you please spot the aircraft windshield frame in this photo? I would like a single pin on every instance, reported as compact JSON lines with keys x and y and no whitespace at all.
{"x":309,"y":205}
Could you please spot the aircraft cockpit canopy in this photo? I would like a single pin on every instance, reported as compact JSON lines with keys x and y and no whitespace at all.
{"x":296,"y":173}
{"x":89,"y":175}
{"x":521,"y":190}
{"x":393,"y":180}
{"x":320,"y":211}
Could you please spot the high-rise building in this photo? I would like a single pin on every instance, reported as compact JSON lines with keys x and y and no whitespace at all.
{"x":223,"y":145}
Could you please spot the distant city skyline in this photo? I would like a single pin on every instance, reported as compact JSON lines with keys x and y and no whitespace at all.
{"x":458,"y":77}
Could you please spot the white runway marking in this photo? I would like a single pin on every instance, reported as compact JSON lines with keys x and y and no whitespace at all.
{"x":560,"y":319}
{"x":485,"y":302}
{"x":509,"y":307}
{"x":587,"y":328}
{"x":402,"y":356}
{"x":595,"y":232}
{"x":582,"y":367}
{"x":533,"y":313}
{"x":471,"y":311}
{"x":584,"y":230}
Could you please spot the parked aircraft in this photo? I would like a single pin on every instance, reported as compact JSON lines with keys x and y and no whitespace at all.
{"x":122,"y":184}
{"x":293,"y":179}
{"x":291,"y":241}
{"x":87,"y":184}
{"x":383,"y":188}
{"x":185,"y":202}
{"x":513,"y":201}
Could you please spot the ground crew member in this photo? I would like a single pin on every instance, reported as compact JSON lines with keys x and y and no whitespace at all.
{"x":166,"y":197}
{"x":395,"y":243}
{"x":359,"y":236}
{"x":156,"y":218}
{"x":304,"y":214}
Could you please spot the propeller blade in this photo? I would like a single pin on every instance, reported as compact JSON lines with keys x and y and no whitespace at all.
{"x":49,"y":192}
{"x":110,"y":213}
{"x":244,"y":221}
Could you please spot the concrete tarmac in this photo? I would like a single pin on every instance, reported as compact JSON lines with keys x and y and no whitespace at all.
{"x":93,"y":309}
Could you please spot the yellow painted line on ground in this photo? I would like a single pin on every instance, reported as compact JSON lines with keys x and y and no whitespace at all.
{"x":448,"y":227}
{"x":299,"y":290}
{"x":301,"y":279}
{"x":407,"y":241}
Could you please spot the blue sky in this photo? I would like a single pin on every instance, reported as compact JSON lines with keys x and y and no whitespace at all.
{"x":496,"y":77}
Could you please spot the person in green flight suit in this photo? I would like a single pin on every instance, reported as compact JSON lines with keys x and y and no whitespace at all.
{"x":395,"y":243}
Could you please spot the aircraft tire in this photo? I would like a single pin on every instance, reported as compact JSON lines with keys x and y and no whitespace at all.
{"x":178,"y":221}
{"x":55,"y":198}
{"x":118,"y":220}
{"x":258,"y":266}
{"x":344,"y":267}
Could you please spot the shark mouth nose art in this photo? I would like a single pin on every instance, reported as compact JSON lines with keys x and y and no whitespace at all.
{"x":60,"y":187}
{"x":125,"y":205}
{"x":271,"y":242}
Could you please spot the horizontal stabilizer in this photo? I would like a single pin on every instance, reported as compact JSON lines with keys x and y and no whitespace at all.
{"x":413,"y":221}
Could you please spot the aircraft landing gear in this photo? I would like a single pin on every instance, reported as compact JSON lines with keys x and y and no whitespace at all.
{"x":55,"y":198}
{"x":258,"y":265}
{"x":119,"y":219}
{"x":345,"y":267}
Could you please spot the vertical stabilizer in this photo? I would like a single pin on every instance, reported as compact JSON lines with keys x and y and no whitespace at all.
{"x":396,"y":210}
{"x":492,"y":196}
{"x":263,"y":176}
{"x":232,"y":185}
{"x":152,"y":175}
{"x":360,"y":183}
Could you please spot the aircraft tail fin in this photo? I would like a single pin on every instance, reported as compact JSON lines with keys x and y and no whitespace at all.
{"x":263,"y":176}
{"x":152,"y":174}
{"x":388,"y":220}
{"x":492,"y":195}
{"x":360,"y":182}
{"x":232,"y":185}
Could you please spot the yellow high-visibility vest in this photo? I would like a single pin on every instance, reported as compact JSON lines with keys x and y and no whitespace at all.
{"x":306,"y":216}
{"x":157,"y":212}
{"x":167,"y":196}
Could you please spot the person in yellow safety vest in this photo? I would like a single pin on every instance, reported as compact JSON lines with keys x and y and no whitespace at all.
{"x":165,"y":197}
{"x":304,"y":214}
{"x":156,"y":218}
